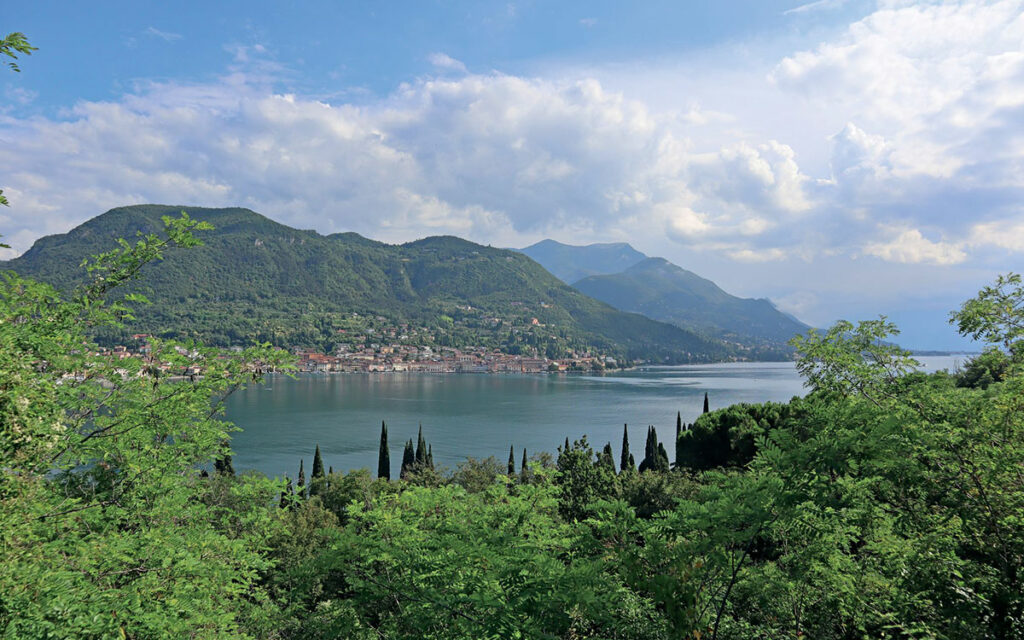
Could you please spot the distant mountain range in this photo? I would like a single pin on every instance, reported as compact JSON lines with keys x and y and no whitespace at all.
{"x":257,"y":280}
{"x":571,"y":263}
{"x":629,"y":280}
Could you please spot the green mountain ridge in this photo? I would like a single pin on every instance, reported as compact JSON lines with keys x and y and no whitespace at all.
{"x":664,"y":291}
{"x":257,"y":280}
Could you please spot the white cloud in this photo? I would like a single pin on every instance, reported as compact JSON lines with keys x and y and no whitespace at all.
{"x":911,"y":247}
{"x":1004,"y":234}
{"x":444,"y":61}
{"x":588,"y":22}
{"x":166,"y":36}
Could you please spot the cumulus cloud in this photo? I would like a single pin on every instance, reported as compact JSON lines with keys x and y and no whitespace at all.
{"x":911,"y":247}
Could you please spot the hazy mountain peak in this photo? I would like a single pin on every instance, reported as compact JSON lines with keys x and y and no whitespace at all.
{"x":571,"y":262}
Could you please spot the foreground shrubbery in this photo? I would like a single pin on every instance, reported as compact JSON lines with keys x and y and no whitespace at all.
{"x":885,"y":504}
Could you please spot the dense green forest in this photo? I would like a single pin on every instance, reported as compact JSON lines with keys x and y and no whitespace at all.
{"x":884,"y":504}
{"x":255,"y":280}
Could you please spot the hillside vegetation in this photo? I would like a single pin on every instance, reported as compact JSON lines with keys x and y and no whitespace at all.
{"x":255,"y":280}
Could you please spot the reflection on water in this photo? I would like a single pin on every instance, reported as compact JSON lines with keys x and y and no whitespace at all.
{"x":481,"y":415}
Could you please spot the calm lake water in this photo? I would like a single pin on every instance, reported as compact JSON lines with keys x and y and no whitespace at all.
{"x":481,"y":415}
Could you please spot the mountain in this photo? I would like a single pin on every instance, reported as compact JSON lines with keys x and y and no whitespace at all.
{"x":571,"y":263}
{"x":258,"y":280}
{"x":663,"y":291}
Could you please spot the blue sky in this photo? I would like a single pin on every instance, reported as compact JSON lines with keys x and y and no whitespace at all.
{"x":844,"y":159}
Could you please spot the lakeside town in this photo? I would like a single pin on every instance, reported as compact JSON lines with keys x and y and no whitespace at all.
{"x":425,"y":359}
{"x":404,"y":358}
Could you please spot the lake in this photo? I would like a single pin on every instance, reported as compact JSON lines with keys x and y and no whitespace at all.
{"x":481,"y":415}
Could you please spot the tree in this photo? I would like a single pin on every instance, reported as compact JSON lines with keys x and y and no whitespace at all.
{"x":11,"y":46}
{"x":995,"y":315}
{"x":300,"y":485}
{"x":707,"y":406}
{"x":318,"y":465}
{"x":421,"y":448}
{"x":383,"y":455}
{"x":105,"y":516}
{"x":286,"y":493}
{"x":582,"y":481}
{"x":222,"y":465}
{"x":408,"y":460}
{"x":626,"y":460}
{"x":511,"y":461}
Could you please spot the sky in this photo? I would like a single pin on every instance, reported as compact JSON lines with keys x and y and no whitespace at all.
{"x":845,"y":159}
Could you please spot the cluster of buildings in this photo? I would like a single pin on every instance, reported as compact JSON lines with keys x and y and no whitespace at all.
{"x":407,"y":358}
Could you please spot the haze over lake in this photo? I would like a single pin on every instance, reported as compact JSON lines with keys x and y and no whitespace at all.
{"x":481,"y":415}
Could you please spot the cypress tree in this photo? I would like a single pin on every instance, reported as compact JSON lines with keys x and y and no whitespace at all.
{"x":522,"y":469}
{"x":651,"y":456}
{"x":706,"y":405}
{"x":408,"y":460}
{"x":301,"y":484}
{"x":607,"y":458}
{"x":384,"y":455}
{"x":662,"y":462}
{"x":625,"y":460}
{"x":511,"y":461}
{"x":318,"y":466}
{"x":679,"y":424}
{"x":430,"y":456}
{"x":632,"y":462}
{"x":330,"y":471}
{"x":421,"y":448}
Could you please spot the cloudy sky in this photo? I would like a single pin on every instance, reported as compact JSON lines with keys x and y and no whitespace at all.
{"x":843,"y":158}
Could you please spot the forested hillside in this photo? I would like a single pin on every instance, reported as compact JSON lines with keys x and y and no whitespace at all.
{"x":661,"y":290}
{"x":255,"y":280}
{"x":884,"y":504}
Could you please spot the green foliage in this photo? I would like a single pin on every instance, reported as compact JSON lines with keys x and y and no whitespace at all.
{"x":444,"y":563}
{"x":108,"y":528}
{"x":582,"y":480}
{"x":728,"y":437}
{"x":11,"y":45}
{"x":853,"y":360}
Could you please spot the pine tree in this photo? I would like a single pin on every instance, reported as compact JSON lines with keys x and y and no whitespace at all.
{"x":318,"y":466}
{"x":511,"y":461}
{"x":421,"y":448}
{"x":408,"y":460}
{"x":706,"y":405}
{"x":384,"y":456}
{"x":626,"y":459}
